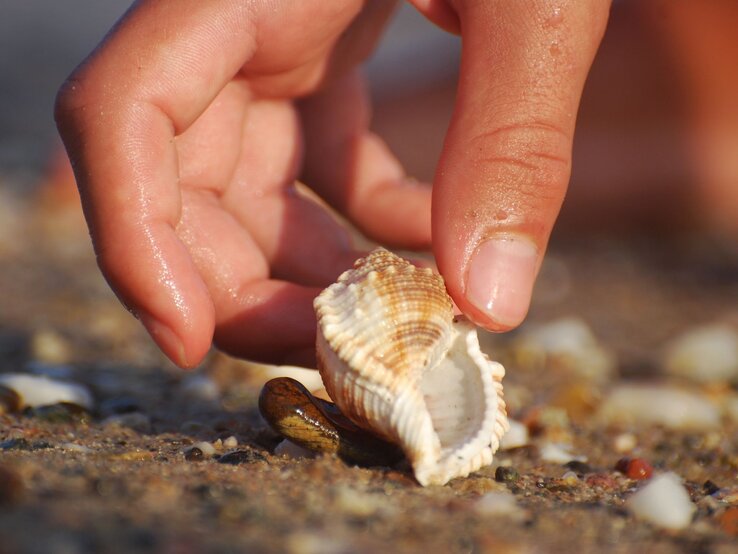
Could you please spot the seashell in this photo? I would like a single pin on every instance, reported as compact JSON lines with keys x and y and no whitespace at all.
{"x":397,"y":363}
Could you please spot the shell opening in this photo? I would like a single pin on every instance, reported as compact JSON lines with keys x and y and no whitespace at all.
{"x":466,"y":413}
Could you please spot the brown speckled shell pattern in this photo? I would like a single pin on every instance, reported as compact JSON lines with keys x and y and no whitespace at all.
{"x":383,"y":328}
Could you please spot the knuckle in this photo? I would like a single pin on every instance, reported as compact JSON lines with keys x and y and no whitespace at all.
{"x":533,"y":156}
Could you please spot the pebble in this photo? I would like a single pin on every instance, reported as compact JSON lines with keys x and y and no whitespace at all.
{"x":672,"y":407}
{"x":10,"y":401}
{"x":579,"y":467}
{"x":568,"y":343}
{"x":704,"y":354}
{"x":63,"y":412}
{"x":709,"y":487}
{"x":624,"y":442}
{"x":230,"y":442}
{"x":516,"y":436}
{"x":74,"y":447}
{"x":570,"y":478}
{"x":238,"y":457}
{"x":559,"y":453}
{"x":37,"y":390}
{"x":637,"y":469}
{"x":205,"y":447}
{"x":206,"y":450}
{"x":663,"y":502}
{"x":500,"y":504}
{"x":506,"y":474}
{"x":289,"y":449}
{"x":49,"y":347}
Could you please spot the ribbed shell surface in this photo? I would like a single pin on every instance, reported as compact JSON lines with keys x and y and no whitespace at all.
{"x":395,"y":361}
{"x":385,"y":320}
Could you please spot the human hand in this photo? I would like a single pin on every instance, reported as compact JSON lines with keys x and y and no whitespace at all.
{"x":186,"y":140}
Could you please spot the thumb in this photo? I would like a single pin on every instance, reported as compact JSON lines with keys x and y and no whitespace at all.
{"x":507,"y":156}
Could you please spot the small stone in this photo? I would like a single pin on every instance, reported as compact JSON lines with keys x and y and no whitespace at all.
{"x":499,"y":504}
{"x":63,"y":412}
{"x":580,"y":468}
{"x":672,"y":407}
{"x":705,"y":354}
{"x":637,"y":469}
{"x":624,"y":442}
{"x":207,"y":449}
{"x":10,"y":401}
{"x":74,"y":447}
{"x":566,"y":343}
{"x":559,"y":454}
{"x":570,"y":478}
{"x":506,"y":475}
{"x":600,"y":481}
{"x":194,"y":454}
{"x":50,"y":347}
{"x":238,"y":457}
{"x":663,"y":502}
{"x":230,"y":442}
{"x":12,"y":488}
{"x":729,"y":521}
{"x":37,"y":390}
{"x":515,"y":437}
{"x":710,"y":488}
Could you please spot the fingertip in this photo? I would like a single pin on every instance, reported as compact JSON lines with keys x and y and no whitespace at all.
{"x":185,"y":347}
{"x":499,"y":279}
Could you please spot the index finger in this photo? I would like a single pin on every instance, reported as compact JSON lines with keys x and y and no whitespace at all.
{"x":118,"y":114}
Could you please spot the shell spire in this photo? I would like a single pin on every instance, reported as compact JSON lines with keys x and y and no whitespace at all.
{"x":397,"y":363}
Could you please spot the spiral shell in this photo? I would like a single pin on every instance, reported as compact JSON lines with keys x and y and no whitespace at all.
{"x":397,"y":363}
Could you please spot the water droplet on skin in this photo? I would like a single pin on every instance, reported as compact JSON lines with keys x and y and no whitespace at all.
{"x":555,"y":49}
{"x":555,"y":19}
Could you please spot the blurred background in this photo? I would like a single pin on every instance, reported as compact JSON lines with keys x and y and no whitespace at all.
{"x":654,"y":144}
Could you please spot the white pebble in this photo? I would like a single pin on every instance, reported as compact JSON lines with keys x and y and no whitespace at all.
{"x":624,"y":442}
{"x":230,"y":442}
{"x":515,"y":437}
{"x":704,"y":354}
{"x":672,"y":407}
{"x":663,"y":502}
{"x":207,"y":449}
{"x":569,"y":343}
{"x":37,"y":390}
{"x":50,"y":347}
{"x":289,"y":449}
{"x":74,"y":447}
{"x":559,"y":453}
{"x":499,"y":503}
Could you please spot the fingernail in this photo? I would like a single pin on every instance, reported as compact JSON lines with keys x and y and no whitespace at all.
{"x":165,"y":338}
{"x":500,"y":277}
